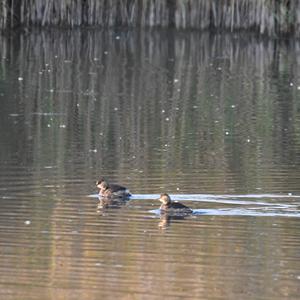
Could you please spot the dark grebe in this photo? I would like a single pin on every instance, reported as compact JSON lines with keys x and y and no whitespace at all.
{"x":112,"y":190}
{"x":170,"y":206}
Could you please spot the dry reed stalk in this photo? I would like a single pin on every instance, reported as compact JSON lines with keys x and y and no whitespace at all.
{"x":265,"y":16}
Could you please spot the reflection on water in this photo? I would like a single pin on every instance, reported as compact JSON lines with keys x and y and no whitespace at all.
{"x":211,"y":119}
{"x":175,"y":110}
{"x":105,"y":203}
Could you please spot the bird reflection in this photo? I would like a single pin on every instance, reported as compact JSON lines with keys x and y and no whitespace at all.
{"x":105,"y":203}
{"x":167,"y":218}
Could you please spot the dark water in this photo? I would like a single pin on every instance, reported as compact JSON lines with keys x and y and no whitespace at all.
{"x":213,"y":120}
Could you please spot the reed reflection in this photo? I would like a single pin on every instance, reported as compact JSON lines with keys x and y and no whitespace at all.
{"x":152,"y":103}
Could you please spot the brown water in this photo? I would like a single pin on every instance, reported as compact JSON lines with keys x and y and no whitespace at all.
{"x":213,"y":120}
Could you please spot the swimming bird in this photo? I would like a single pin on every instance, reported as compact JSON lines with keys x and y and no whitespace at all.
{"x":172,"y":206}
{"x":111,"y":190}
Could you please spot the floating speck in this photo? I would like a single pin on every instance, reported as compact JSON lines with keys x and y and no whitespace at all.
{"x":232,"y":106}
{"x":41,"y":73}
{"x":195,"y":106}
{"x":166,"y":145}
{"x":48,"y":125}
{"x":116,"y":109}
{"x":248,"y":140}
{"x":101,"y":133}
{"x":96,"y":58}
{"x":62,"y":126}
{"x":290,"y":194}
{"x":163,"y":111}
{"x":27,"y":222}
{"x":178,"y":189}
{"x":298,"y":87}
{"x":227,"y":132}
{"x":117,"y":37}
{"x":167,"y":119}
{"x":178,"y":90}
{"x":20,"y":78}
{"x":55,"y":56}
{"x":298,"y":277}
{"x":120,"y":266}
{"x":176,"y":80}
{"x":219,"y":68}
{"x":291,"y":84}
{"x":93,"y":150}
{"x":51,"y":91}
{"x":77,"y":105}
{"x":97,"y":264}
{"x":105,"y":52}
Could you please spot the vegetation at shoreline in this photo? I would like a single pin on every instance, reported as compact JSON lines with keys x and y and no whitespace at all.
{"x":272,"y":17}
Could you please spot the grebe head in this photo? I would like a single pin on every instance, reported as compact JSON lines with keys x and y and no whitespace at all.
{"x":102,"y":184}
{"x":165,"y":199}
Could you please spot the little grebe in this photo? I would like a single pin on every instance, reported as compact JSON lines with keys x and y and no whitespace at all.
{"x":111,"y":190}
{"x":169,"y":205}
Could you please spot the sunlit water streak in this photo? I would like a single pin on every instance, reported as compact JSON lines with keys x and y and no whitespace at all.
{"x":250,"y":212}
{"x":208,"y":197}
{"x":218,"y":198}
{"x":256,"y":208}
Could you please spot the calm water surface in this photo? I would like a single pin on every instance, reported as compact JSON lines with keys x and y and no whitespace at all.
{"x":213,"y":120}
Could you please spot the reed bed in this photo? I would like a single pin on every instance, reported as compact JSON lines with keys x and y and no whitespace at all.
{"x":272,"y":17}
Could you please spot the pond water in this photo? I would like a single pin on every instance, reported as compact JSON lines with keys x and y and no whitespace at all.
{"x":214,"y":120}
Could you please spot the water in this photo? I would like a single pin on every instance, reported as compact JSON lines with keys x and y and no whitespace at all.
{"x":213,"y":120}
